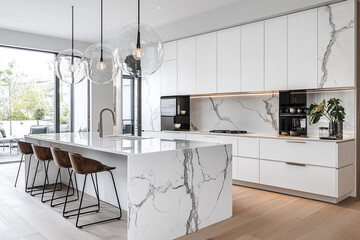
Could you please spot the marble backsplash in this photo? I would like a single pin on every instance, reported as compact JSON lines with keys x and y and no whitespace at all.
{"x":253,"y":113}
{"x":259,"y":113}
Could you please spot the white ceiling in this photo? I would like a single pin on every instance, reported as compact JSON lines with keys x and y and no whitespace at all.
{"x":53,"y":17}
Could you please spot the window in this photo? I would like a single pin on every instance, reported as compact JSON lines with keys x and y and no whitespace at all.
{"x":31,"y":97}
{"x":128,"y":103}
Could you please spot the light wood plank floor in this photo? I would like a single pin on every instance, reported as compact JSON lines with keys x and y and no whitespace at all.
{"x":257,"y":215}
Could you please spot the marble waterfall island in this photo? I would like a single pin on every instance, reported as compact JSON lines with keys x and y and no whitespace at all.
{"x":169,"y":188}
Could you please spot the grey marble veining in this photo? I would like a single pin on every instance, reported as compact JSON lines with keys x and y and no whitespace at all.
{"x":193,"y":191}
{"x":336,"y":45}
{"x":254,"y":113}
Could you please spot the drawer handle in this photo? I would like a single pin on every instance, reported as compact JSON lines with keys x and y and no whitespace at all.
{"x":210,"y":136}
{"x":295,"y":142}
{"x":296,"y":164}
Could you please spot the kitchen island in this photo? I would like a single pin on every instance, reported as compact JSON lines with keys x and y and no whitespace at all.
{"x":169,"y":188}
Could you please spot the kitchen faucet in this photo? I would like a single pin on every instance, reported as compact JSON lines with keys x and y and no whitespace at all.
{"x":100,"y":130}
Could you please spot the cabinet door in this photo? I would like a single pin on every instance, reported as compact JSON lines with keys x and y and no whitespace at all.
{"x":228,"y":60}
{"x":276,"y":54}
{"x":206,"y":63}
{"x":151,"y":102}
{"x":169,"y":78}
{"x":186,"y":66}
{"x":252,"y":57}
{"x":170,"y":51}
{"x":302,"y":55}
{"x":336,"y":45}
{"x":247,"y":169}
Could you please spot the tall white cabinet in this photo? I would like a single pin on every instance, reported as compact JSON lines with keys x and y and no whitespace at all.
{"x":168,"y":73}
{"x":206,"y":63}
{"x":302,"y":50}
{"x":228,"y":60}
{"x":186,"y":66}
{"x":252,"y":57}
{"x":276,"y":47}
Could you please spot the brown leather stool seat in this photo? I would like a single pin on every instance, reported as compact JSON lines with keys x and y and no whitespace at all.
{"x":42,"y":154}
{"x":62,"y":160}
{"x":25,"y":149}
{"x":88,"y":166}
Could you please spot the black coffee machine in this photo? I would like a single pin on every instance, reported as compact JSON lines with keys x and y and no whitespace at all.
{"x":292,"y":113}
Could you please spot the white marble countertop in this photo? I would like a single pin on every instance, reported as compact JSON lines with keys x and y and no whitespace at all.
{"x":123,"y":144}
{"x":265,"y":135}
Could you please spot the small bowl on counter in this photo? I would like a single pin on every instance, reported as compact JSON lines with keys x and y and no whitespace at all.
{"x":183,"y":112}
{"x":177,"y":125}
{"x":292,"y":110}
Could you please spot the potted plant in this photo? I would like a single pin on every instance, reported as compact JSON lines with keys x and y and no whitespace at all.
{"x":333,"y":111}
{"x":39,"y":114}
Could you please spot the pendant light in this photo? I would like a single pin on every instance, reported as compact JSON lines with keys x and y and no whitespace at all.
{"x":100,"y":60}
{"x":69,"y":67}
{"x":139,"y":49}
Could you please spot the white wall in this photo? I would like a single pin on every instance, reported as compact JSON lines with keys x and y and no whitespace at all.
{"x":39,"y":42}
{"x":233,"y":15}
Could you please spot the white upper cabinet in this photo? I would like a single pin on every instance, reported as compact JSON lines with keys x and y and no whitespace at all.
{"x":206,"y":63}
{"x":252,"y":57}
{"x":186,"y":66}
{"x":336,"y":45}
{"x":276,"y":54}
{"x":169,"y":78}
{"x":302,"y":50}
{"x":170,"y":51}
{"x":228,"y":60}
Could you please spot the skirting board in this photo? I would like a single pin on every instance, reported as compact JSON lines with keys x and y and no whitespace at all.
{"x":291,"y":192}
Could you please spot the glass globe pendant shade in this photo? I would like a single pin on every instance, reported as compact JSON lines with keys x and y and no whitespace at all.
{"x":143,"y":61}
{"x":70,"y":70}
{"x":97,"y":71}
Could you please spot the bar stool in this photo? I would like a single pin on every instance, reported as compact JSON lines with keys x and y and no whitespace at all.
{"x":25,"y":149}
{"x":62,"y":160}
{"x":86,"y":166}
{"x":44,"y":155}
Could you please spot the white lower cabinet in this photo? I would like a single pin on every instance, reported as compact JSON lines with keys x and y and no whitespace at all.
{"x":247,"y":169}
{"x":312,"y":179}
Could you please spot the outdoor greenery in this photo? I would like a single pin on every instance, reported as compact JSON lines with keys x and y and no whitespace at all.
{"x":331,"y":109}
{"x":24,"y":99}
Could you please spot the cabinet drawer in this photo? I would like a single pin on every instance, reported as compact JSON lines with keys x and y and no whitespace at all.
{"x":311,"y":179}
{"x":215,"y":139}
{"x":248,"y":147}
{"x":299,"y":151}
{"x":247,"y":169}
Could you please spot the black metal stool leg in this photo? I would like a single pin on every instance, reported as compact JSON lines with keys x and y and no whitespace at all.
{"x":82,"y":197}
{"x":27,"y":176}
{"x":17,"y":176}
{"x":102,"y":221}
{"x":32,"y":186}
{"x":67,"y":193}
{"x":116,"y":193}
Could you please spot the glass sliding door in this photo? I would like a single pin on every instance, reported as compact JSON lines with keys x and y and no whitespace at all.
{"x":27,"y":85}
{"x":32,"y":99}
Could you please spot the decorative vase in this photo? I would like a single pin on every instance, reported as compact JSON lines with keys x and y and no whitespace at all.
{"x":336,"y":130}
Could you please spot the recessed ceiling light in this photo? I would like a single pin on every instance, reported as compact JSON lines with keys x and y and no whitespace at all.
{"x":159,"y":7}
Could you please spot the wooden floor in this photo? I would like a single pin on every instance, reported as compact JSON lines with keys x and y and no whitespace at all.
{"x":257,"y":215}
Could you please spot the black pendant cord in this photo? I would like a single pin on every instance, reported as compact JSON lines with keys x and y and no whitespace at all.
{"x":101,"y":42}
{"x":72,"y":35}
{"x":138,"y":33}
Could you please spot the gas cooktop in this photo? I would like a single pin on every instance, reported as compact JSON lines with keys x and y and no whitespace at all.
{"x":229,"y":131}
